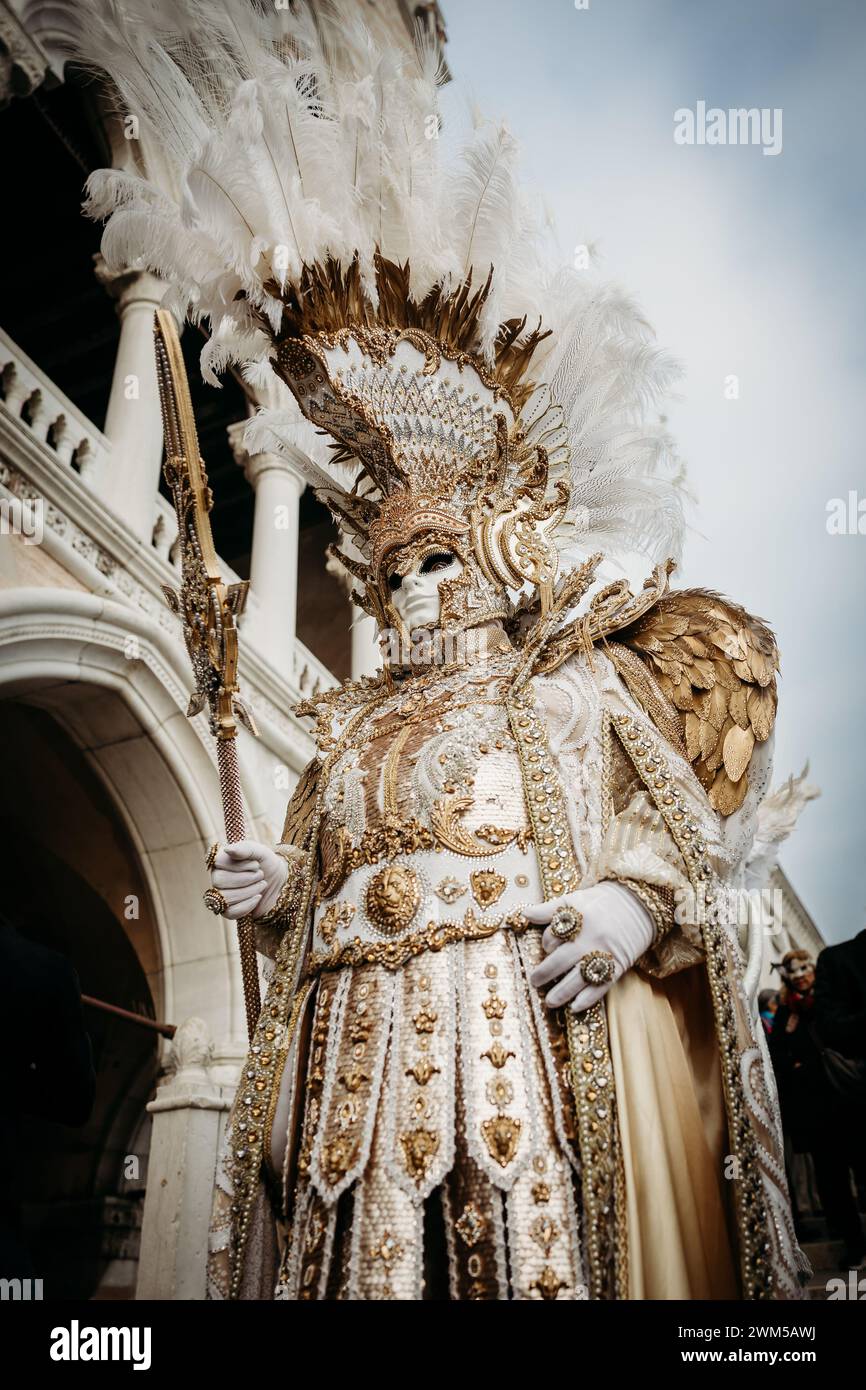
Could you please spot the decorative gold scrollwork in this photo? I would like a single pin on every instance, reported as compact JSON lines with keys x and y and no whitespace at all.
{"x":445,"y":819}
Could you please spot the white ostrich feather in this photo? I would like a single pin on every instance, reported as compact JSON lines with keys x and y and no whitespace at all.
{"x":229,"y":343}
{"x":485,"y":216}
{"x":109,"y":189}
{"x":777,"y":819}
{"x":285,"y":430}
{"x":779,"y":812}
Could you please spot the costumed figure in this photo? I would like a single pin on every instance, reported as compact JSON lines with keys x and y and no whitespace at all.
{"x":506,"y":1049}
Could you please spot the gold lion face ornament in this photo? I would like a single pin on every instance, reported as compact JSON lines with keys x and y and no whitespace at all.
{"x":392,"y":899}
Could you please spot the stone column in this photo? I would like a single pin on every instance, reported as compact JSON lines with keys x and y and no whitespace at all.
{"x":364,"y":632}
{"x":278,"y":482}
{"x":188,"y":1117}
{"x":366,"y":656}
{"x":133,"y":421}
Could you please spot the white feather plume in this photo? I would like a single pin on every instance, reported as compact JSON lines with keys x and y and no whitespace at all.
{"x":777,"y":819}
{"x":294,"y":136}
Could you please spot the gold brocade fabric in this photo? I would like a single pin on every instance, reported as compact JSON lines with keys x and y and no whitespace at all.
{"x":674,"y":1137}
{"x":437,"y":1155}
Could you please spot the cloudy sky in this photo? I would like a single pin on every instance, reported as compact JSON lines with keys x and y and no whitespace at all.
{"x":750,"y":266}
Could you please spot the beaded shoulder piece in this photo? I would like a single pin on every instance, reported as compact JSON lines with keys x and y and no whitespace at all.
{"x":332,"y":709}
{"x":301,"y":811}
{"x":702,"y":667}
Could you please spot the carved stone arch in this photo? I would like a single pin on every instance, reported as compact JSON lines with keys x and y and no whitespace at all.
{"x":116,"y":686}
{"x":50,"y":26}
{"x":34,"y":42}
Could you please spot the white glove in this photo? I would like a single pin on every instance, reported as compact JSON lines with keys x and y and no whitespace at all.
{"x":614,"y":920}
{"x":250,"y":877}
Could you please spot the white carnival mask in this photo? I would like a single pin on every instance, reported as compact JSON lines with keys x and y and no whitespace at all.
{"x":415,"y":592}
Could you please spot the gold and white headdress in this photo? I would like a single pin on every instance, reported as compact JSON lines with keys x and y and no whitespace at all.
{"x":469,"y":391}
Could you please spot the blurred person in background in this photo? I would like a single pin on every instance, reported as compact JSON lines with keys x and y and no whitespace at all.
{"x":840,"y":1017}
{"x":814,"y":1113}
{"x":768,"y":1003}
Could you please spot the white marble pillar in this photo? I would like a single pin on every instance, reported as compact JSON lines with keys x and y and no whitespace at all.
{"x":278,"y":482}
{"x":188,"y":1118}
{"x":366,"y":656}
{"x":364,"y":631}
{"x":133,"y":421}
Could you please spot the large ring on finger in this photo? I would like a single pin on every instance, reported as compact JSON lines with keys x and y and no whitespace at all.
{"x":211,"y":856}
{"x":214,"y":901}
{"x":566,"y":922}
{"x":598,"y":967}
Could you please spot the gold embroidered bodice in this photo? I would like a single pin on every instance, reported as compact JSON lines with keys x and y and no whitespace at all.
{"x":424,"y":821}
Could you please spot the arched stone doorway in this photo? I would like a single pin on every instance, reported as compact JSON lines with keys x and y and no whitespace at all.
{"x":114,"y":794}
{"x":82,"y":1189}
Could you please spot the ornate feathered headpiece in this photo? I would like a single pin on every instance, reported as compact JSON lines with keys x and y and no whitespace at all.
{"x":468,"y":390}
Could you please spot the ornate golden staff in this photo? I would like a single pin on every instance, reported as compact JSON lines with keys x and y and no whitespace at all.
{"x":208,"y":610}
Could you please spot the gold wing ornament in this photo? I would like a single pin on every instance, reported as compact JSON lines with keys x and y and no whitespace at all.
{"x":716,"y":664}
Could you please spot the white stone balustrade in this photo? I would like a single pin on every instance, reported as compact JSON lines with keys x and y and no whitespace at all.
{"x":48,"y":415}
{"x":50,"y":450}
{"x":165,"y":532}
{"x":309,"y":674}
